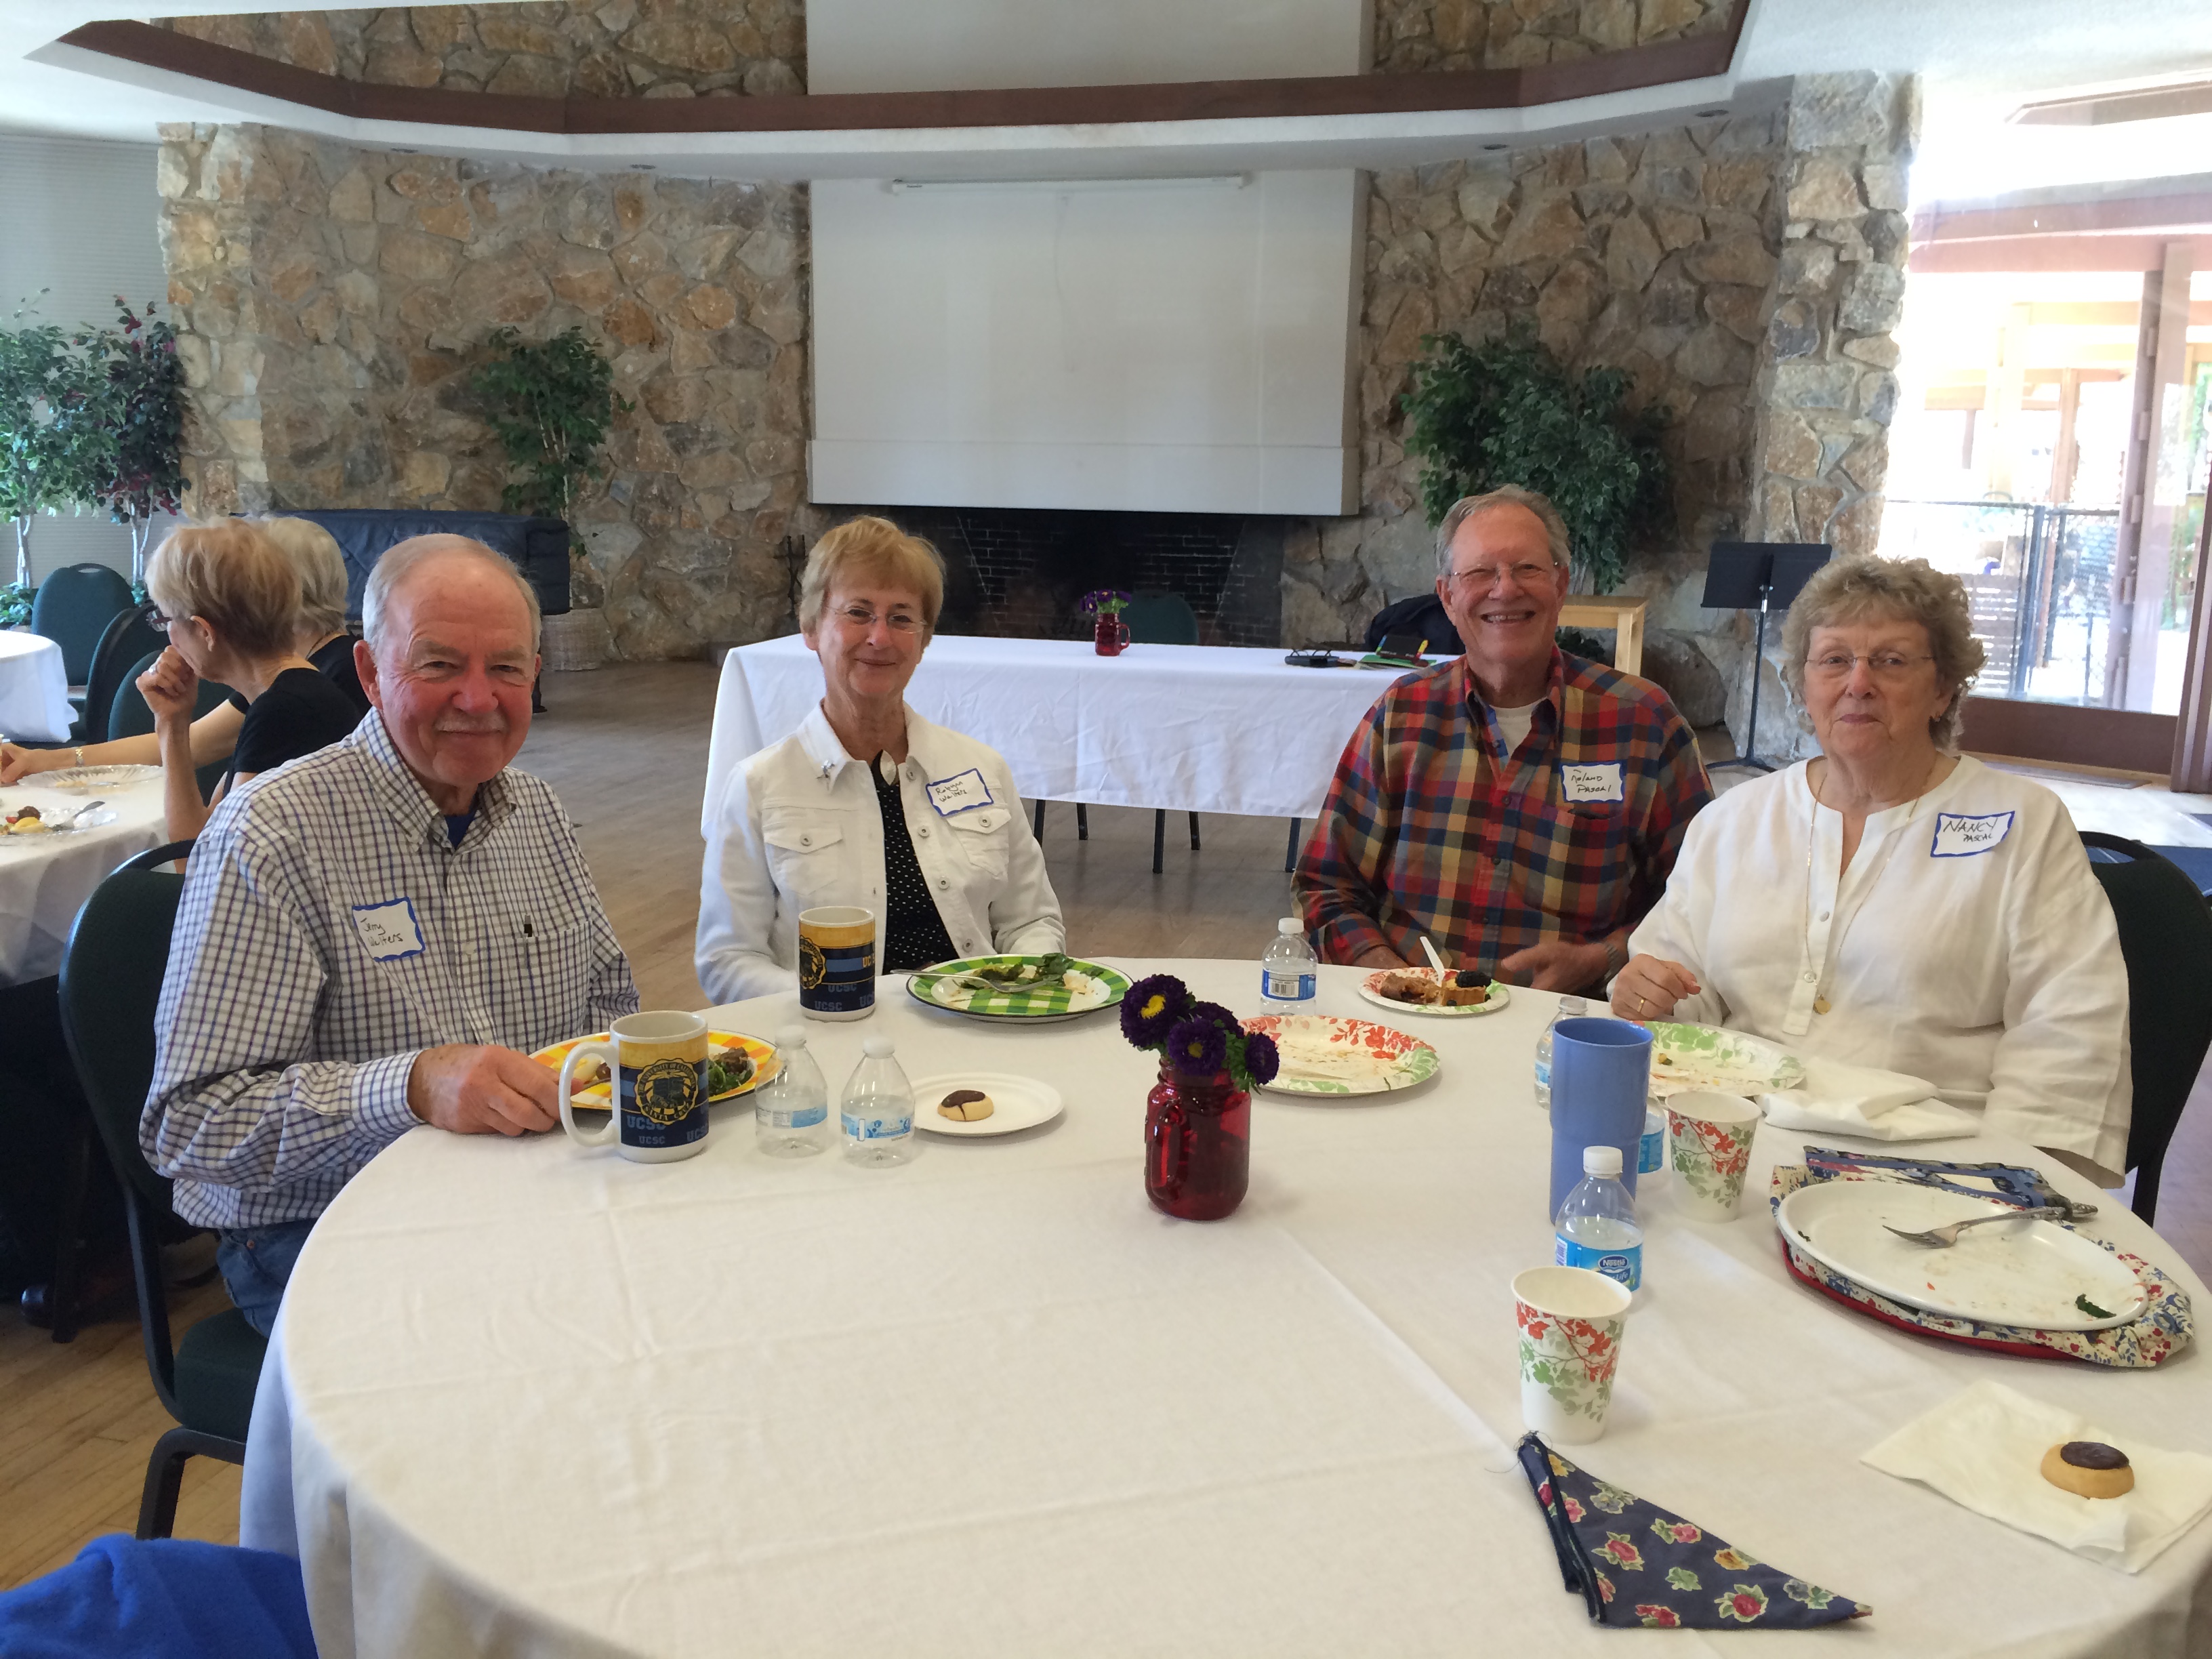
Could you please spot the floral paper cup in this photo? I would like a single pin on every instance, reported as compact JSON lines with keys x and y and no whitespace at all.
{"x":1709,"y":1142}
{"x":1570,"y":1320}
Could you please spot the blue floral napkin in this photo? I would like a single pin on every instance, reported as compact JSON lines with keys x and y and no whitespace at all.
{"x":1636,"y":1564}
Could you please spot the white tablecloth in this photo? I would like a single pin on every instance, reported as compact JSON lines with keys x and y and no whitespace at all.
{"x":45,"y":879}
{"x":33,"y":688}
{"x":1203,"y":728}
{"x":528,"y":1399}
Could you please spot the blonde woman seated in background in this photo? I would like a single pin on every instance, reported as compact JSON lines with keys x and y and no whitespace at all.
{"x":325,"y":644}
{"x":230,"y":600}
{"x":1894,"y":903}
{"x":867,"y":803}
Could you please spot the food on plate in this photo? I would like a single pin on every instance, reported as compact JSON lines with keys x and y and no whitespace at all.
{"x":1316,"y":1049}
{"x":2088,"y":1467}
{"x":727,"y":1069}
{"x":22,"y":812}
{"x":1468,"y":988}
{"x":28,"y":822}
{"x":966,"y":1106}
{"x":588,"y":1075}
{"x":1017,"y":974}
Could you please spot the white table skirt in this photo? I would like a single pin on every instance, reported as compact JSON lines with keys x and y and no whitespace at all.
{"x":45,"y":879}
{"x":34,"y":702}
{"x":528,"y":1398}
{"x":1201,"y":728}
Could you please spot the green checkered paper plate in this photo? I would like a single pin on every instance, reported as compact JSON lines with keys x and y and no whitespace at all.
{"x":937,"y":986}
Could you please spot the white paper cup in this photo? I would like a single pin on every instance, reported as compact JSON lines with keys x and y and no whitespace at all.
{"x":1709,"y":1138}
{"x":1570,"y":1321}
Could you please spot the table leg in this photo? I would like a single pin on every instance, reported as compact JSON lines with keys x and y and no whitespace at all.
{"x":1159,"y":838}
{"x":1194,"y":833}
{"x":1040,"y":821}
{"x":1082,"y":822}
{"x":1291,"y":849}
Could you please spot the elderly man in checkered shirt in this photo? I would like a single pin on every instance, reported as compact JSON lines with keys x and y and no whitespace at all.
{"x":376,"y":935}
{"x":1519,"y":806}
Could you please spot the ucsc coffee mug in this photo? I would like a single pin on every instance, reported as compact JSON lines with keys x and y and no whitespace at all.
{"x":837,"y":962}
{"x":659,"y":1066}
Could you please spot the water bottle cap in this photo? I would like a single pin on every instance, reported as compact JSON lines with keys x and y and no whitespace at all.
{"x":791,"y":1036}
{"x":880,"y":1048}
{"x":1290,"y":924}
{"x":1602,"y":1160}
{"x":1573,"y":1005}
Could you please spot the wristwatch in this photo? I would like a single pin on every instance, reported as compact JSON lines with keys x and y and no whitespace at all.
{"x":1616,"y":957}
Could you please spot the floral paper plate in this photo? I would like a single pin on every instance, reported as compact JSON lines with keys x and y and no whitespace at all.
{"x":766,"y":1064}
{"x":1685,"y":1057}
{"x":1328,"y":1054}
{"x":1371,"y":989}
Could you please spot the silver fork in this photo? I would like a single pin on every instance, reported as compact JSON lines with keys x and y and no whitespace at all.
{"x":1942,"y":1238}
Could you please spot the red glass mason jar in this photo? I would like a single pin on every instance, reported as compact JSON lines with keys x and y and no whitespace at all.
{"x":1110,"y":634}
{"x":1198,"y":1145}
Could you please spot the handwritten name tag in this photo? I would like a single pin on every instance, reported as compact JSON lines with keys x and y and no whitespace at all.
{"x":1961,"y":837}
{"x":390,"y":931}
{"x":963,"y":792}
{"x":1592,"y":782}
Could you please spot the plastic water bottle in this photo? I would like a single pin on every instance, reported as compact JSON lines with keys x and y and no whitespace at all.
{"x":1569,"y":1008}
{"x":791,"y":1110}
{"x":878,"y":1109}
{"x":1287,"y":970}
{"x":1651,"y":1150}
{"x":1596,"y":1225}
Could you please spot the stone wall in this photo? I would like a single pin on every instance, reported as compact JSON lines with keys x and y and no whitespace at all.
{"x":1468,"y":34}
{"x":547,"y":48}
{"x":332,"y":303}
{"x":1746,"y":272}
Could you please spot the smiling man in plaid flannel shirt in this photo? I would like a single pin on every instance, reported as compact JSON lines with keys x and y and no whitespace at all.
{"x":1520,"y":807}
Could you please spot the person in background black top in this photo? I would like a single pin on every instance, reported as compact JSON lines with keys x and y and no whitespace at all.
{"x":314,"y":553}
{"x":230,"y":600}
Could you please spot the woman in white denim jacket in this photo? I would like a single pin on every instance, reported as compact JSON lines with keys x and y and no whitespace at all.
{"x":867,"y":803}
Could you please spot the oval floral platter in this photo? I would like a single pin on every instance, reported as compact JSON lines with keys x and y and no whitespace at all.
{"x":1032,"y":987}
{"x":1329,"y":1054}
{"x":766,"y":1064}
{"x":1685,"y":1057}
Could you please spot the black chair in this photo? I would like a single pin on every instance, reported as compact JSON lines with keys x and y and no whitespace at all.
{"x":131,"y":716}
{"x":2165,"y":937}
{"x":73,"y":606}
{"x":129,"y":639}
{"x":111,"y":984}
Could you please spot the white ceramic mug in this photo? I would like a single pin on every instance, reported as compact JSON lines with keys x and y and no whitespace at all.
{"x":657,"y":1073}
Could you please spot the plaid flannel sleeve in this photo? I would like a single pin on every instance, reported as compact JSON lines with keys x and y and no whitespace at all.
{"x":232,"y":1105}
{"x":1681,"y":790}
{"x":1338,"y":883}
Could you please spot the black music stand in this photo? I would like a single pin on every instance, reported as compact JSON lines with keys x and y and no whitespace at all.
{"x":1763,"y":573}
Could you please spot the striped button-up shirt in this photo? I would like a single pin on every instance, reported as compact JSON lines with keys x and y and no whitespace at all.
{"x":1432,"y":828}
{"x":330,"y":931}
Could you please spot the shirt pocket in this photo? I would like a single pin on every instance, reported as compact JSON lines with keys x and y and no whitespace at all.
{"x":1594,"y":858}
{"x":985,"y":837}
{"x":550,"y":953}
{"x":809,"y":854}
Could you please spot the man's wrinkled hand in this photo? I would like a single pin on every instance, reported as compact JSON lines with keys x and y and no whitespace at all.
{"x":1557,"y":964}
{"x":473,"y":1091}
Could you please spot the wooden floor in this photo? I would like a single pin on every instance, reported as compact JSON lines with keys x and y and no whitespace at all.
{"x":626,"y":747}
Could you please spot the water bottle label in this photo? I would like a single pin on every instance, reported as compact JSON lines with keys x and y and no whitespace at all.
{"x":876,"y":1129}
{"x":1280,"y":985}
{"x":1626,"y":1266}
{"x":1543,"y":1071}
{"x":1652,"y":1152}
{"x":805,"y":1117}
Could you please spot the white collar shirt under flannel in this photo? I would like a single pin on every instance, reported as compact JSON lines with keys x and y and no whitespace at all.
{"x":290,"y":1020}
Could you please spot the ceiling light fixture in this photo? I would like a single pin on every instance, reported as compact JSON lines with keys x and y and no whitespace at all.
{"x":2098,"y":109}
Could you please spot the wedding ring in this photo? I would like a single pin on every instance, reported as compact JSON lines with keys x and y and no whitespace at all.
{"x":1640,"y":1005}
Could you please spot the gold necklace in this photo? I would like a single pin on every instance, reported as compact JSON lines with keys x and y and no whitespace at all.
{"x":1821,"y":1003}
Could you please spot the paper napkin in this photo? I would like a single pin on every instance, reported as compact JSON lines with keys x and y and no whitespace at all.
{"x":1839,"y":1098}
{"x":1983,"y":1448}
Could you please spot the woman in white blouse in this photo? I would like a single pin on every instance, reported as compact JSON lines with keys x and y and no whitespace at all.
{"x":867,"y":803}
{"x":1894,"y":903}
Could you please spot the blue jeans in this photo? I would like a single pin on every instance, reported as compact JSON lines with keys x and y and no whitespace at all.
{"x":257,"y":1265}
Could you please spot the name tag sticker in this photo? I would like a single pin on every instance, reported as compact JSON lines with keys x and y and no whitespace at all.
{"x":1592,"y":782}
{"x":390,"y":931}
{"x":1961,"y":837}
{"x":963,"y":792}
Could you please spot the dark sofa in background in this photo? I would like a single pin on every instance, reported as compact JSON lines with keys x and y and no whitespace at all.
{"x":538,"y":546}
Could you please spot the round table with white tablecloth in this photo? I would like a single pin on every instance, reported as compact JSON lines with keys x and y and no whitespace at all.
{"x":530,"y":1397}
{"x":45,"y":880}
{"x":34,"y":704}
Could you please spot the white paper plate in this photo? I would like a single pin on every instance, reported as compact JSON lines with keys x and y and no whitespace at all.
{"x":1500,"y":995}
{"x":84,"y":780}
{"x":2023,"y":1272}
{"x":1018,"y":1102}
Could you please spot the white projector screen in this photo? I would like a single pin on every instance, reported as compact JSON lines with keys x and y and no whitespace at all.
{"x":1162,"y":345}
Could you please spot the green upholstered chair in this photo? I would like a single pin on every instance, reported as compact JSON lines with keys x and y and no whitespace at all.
{"x":111,"y":984}
{"x":2165,"y":937}
{"x":128,"y":641}
{"x":73,"y":606}
{"x":131,"y":716}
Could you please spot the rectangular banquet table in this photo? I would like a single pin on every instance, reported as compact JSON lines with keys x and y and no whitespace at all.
{"x":1200,"y":728}
{"x":45,"y":879}
{"x":530,"y":1399}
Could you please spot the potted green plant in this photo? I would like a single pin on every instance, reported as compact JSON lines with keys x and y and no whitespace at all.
{"x":1508,"y":412}
{"x":53,"y":445}
{"x":551,"y":402}
{"x":141,"y":402}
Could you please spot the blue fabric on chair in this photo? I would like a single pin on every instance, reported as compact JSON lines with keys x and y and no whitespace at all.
{"x":540,"y":547}
{"x":73,"y":606}
{"x":160,"y":1598}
